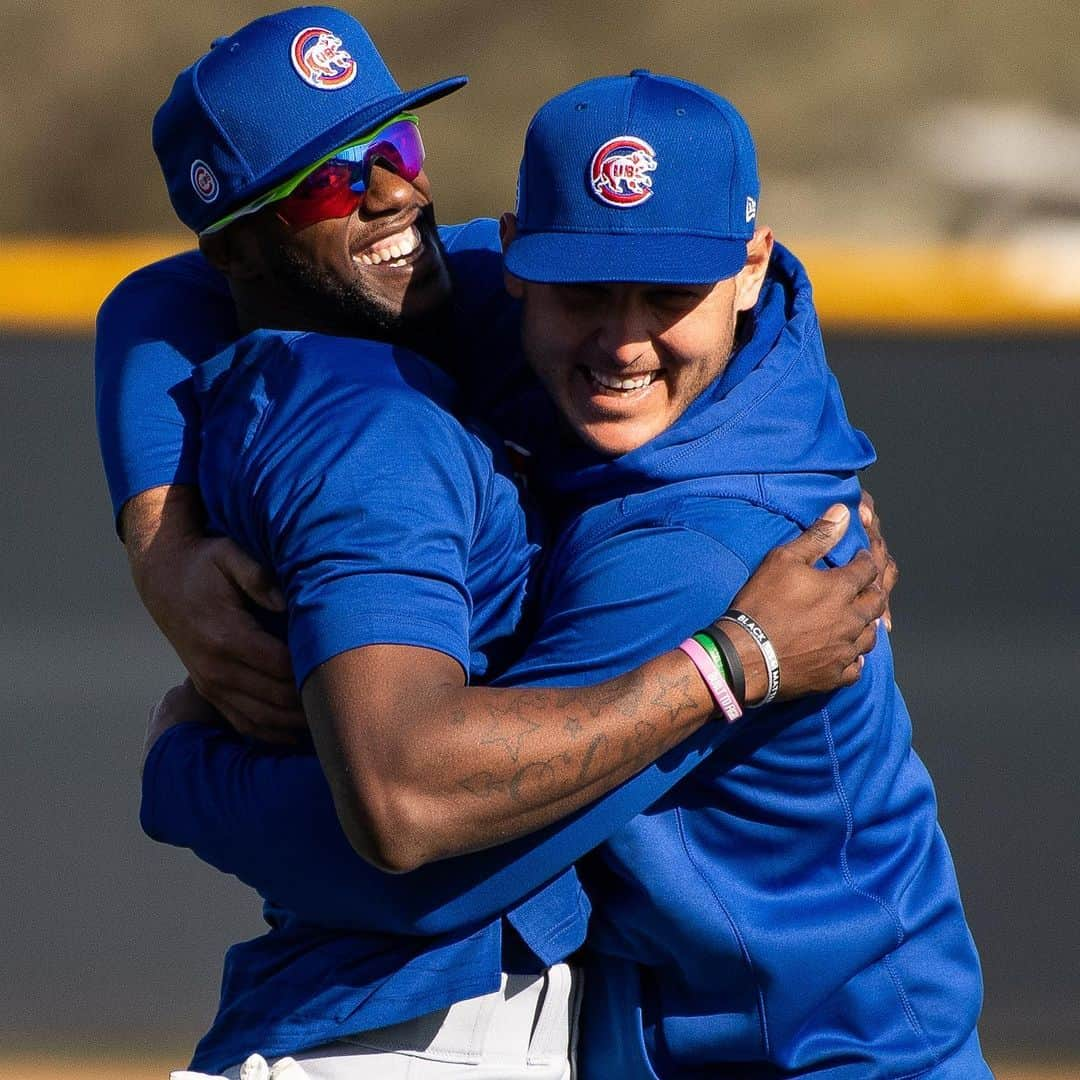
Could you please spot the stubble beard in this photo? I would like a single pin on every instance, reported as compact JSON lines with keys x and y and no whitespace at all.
{"x":351,"y":308}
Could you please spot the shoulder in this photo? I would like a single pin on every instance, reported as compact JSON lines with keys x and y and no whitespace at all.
{"x":746,"y":527}
{"x":477,"y":235}
{"x":474,"y":256}
{"x":180,"y":303}
{"x":187,"y":273}
{"x":359,"y":387}
{"x":340,"y":408}
{"x":728,"y":514}
{"x":659,"y":557}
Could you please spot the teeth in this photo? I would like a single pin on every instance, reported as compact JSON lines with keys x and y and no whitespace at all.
{"x":392,"y":249}
{"x":613,"y":382}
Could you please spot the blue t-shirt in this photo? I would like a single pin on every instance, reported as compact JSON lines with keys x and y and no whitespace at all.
{"x":337,"y":463}
{"x":294,"y":436}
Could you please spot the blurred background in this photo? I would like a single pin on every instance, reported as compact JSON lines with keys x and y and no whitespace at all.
{"x":925,"y":160}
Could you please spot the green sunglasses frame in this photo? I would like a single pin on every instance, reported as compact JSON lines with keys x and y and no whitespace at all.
{"x":287,"y":187}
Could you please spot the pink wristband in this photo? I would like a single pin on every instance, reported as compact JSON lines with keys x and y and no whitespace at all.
{"x":721,"y":692}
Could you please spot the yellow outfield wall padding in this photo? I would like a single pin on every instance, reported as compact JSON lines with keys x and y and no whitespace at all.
{"x":57,"y":285}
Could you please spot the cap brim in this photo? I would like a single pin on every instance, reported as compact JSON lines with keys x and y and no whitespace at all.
{"x":432,"y":92}
{"x":669,"y":259}
{"x":355,"y":125}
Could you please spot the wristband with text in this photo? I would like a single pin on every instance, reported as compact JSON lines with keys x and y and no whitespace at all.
{"x":718,"y":688}
{"x":768,"y":653}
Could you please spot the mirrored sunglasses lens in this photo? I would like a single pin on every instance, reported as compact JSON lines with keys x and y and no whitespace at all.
{"x":335,"y":188}
{"x":326,"y":193}
{"x":400,"y":147}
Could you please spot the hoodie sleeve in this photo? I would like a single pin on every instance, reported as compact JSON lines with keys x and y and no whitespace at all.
{"x":267,"y":816}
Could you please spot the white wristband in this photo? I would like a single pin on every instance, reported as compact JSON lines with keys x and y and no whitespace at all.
{"x":768,"y":653}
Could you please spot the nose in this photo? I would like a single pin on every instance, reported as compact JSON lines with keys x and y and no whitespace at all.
{"x":386,"y":192}
{"x":623,"y":337}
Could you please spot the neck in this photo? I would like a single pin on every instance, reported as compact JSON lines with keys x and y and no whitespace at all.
{"x":427,"y":334}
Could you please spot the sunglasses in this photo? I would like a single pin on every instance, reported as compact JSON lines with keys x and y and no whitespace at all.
{"x":334,"y":186}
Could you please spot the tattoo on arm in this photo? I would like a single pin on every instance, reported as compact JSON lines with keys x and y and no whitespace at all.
{"x":516,"y":724}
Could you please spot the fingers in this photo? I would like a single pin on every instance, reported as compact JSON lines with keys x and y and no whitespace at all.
{"x":224,"y":678}
{"x":248,"y":716}
{"x":891,"y":577}
{"x":249,"y":645}
{"x":232,"y":637}
{"x":866,"y":509}
{"x":237,"y":695}
{"x":869,"y":604}
{"x":864,"y":644}
{"x":850,"y":675}
{"x":272,"y":736}
{"x":249,"y":577}
{"x":866,"y":641}
{"x":860,"y":573}
{"x":825,"y":533}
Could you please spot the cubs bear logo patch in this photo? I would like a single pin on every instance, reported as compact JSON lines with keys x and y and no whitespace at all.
{"x":320,"y":59}
{"x":620,"y":171}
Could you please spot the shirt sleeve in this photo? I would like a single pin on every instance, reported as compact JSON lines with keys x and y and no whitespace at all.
{"x":152,"y":329}
{"x":368,"y":525}
{"x":268,"y":817}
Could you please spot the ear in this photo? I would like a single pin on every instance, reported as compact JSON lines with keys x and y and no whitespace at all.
{"x":751,"y":277}
{"x":507,"y":232}
{"x":234,"y":251}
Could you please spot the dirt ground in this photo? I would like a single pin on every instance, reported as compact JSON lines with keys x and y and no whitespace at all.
{"x":59,"y":1069}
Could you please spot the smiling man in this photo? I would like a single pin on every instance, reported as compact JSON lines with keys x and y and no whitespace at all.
{"x":790,"y":910}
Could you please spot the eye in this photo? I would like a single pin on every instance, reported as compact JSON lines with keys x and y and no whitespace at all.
{"x":329,"y":177}
{"x":583,"y":297}
{"x":675,"y":298}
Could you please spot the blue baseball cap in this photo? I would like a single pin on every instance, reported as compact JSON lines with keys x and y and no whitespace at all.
{"x":265,"y":102}
{"x":639,"y":177}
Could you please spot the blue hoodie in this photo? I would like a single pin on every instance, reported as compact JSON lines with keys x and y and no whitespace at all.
{"x":792,"y":902}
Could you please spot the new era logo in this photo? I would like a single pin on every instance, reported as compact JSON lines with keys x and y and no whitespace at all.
{"x":751,"y":208}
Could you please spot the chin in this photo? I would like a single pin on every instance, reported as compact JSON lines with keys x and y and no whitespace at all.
{"x":615,"y":439}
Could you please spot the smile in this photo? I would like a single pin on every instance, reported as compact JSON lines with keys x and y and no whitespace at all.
{"x":396,"y":250}
{"x":620,"y":384}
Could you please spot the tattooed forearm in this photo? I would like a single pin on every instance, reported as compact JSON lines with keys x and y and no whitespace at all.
{"x":447,"y":768}
{"x":621,"y":727}
{"x":675,"y":695}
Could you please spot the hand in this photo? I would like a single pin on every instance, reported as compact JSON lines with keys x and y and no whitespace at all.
{"x":821,"y":622}
{"x":243,"y":671}
{"x":180,"y":705}
{"x":199,"y":591}
{"x":888,"y":571}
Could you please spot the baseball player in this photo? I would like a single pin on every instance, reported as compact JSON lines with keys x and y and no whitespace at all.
{"x":791,"y":909}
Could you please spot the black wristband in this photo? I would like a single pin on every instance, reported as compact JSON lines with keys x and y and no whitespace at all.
{"x":731,"y":662}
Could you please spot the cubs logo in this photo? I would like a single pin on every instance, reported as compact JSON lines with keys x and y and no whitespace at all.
{"x":320,"y":60}
{"x":619,"y":174}
{"x":204,"y":181}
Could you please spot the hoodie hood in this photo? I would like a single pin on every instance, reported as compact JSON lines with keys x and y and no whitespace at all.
{"x":776,"y":409}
